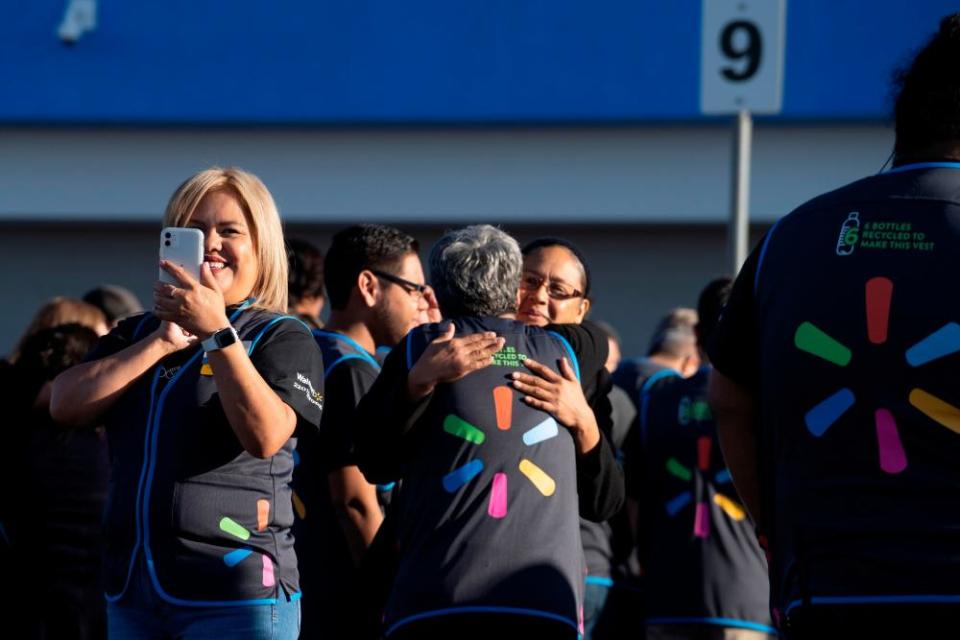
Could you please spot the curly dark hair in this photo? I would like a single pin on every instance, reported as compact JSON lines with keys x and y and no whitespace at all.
{"x":927,"y":109}
{"x":363,"y":246}
{"x":48,"y":352}
{"x":305,"y":272}
{"x":711,"y":302}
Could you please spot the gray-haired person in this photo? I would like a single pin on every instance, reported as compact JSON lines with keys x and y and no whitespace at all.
{"x":672,"y":351}
{"x":492,"y":486}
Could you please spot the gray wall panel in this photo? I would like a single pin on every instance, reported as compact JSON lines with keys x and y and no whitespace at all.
{"x":639,"y":271}
{"x":572,"y":175}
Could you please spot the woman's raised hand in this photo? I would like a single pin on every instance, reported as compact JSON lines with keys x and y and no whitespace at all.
{"x":197,"y":307}
{"x":173,"y":337}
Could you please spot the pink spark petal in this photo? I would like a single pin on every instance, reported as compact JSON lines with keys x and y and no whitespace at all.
{"x":893,"y":459}
{"x":701,"y":522}
{"x":498,"y":496}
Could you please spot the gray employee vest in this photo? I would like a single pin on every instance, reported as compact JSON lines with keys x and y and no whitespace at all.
{"x":212,"y":521}
{"x":489,"y":512}
{"x":702,"y":562}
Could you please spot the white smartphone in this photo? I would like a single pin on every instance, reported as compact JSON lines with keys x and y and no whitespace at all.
{"x":183,"y":247}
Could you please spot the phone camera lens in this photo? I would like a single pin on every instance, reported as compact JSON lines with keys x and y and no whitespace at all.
{"x":167,"y":243}
{"x":167,"y":234}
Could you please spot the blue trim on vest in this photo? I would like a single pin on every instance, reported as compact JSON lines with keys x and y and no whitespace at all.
{"x":295,"y":596}
{"x":140,"y":324}
{"x":600,"y":581}
{"x":361,"y":353}
{"x":456,"y":610}
{"x":267,"y":326}
{"x":645,"y":396}
{"x":925,"y":165}
{"x":889,"y":599}
{"x":350,"y":356}
{"x":721,"y":622}
{"x":143,"y":492}
{"x":566,"y":345}
{"x":763,"y":254}
{"x":343,"y":337}
{"x":143,"y":471}
{"x":386,"y":487}
{"x":663,"y":373}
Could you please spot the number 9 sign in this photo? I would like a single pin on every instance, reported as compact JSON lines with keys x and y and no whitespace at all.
{"x":741,"y":64}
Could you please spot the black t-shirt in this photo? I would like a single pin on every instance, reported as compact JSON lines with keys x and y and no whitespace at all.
{"x":327,"y":572}
{"x":700,"y":554}
{"x":212,"y":520}
{"x":487,"y":517}
{"x":632,"y":374}
{"x":844,"y":326}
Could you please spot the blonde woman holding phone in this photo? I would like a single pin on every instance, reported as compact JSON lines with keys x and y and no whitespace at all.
{"x":202,"y":399}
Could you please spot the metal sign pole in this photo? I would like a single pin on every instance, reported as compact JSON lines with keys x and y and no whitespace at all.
{"x":738,"y":230}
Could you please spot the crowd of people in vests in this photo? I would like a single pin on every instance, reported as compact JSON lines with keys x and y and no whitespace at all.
{"x":460,"y":451}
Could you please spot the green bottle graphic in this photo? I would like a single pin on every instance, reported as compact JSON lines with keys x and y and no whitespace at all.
{"x":849,"y":234}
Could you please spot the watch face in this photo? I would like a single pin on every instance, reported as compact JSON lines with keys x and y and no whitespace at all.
{"x":225,"y":337}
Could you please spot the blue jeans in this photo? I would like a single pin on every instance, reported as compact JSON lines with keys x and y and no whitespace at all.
{"x":143,"y":614}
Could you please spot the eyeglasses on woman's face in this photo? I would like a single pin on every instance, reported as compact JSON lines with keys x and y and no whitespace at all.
{"x":415,"y":290}
{"x":531,"y":282}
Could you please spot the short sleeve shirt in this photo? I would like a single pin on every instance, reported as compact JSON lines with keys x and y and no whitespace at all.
{"x":327,"y":570}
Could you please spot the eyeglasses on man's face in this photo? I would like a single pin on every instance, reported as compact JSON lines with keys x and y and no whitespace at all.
{"x":414,"y":289}
{"x":531,"y":282}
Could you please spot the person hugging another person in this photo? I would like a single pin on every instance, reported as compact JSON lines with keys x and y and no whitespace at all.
{"x":495,"y":471}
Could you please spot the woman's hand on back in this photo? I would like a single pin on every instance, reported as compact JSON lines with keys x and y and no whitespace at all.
{"x":197,"y":307}
{"x":447,"y":359}
{"x":560,"y":395}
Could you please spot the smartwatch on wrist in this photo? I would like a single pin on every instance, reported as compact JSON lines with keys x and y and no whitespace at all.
{"x":220,"y":339}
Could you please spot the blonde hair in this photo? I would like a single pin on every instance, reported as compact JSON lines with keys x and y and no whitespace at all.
{"x":58,"y":311}
{"x":263,"y":219}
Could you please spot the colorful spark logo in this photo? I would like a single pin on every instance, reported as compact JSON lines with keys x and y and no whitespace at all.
{"x":235,"y":529}
{"x":942,"y":342}
{"x":701,"y":520}
{"x":503,"y":405}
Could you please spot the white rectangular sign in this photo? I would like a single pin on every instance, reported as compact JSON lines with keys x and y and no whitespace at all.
{"x":741,"y":63}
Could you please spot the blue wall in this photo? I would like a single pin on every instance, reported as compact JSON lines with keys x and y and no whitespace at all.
{"x":429,"y":61}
